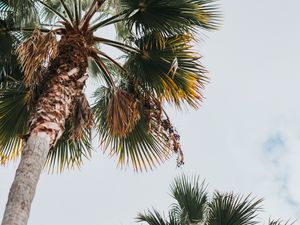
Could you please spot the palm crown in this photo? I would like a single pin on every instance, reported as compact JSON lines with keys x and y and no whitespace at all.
{"x":158,"y":65}
{"x":194,"y":206}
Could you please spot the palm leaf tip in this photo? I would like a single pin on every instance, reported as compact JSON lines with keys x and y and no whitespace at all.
{"x":280,"y":222}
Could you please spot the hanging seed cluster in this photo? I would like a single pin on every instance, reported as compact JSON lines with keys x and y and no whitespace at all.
{"x":161,"y":125}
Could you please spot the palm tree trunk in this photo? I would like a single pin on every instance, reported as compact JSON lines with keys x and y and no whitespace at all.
{"x":64,"y":81}
{"x":27,"y":175}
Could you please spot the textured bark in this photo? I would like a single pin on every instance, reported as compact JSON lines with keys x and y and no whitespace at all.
{"x":54,"y":103}
{"x":63,"y":84}
{"x":27,"y":175}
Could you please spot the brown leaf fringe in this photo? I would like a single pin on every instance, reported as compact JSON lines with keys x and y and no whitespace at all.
{"x":123,"y":113}
{"x":34,"y":56}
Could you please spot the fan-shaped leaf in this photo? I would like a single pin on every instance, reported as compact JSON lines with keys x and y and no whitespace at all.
{"x":169,"y":68}
{"x":68,"y":154}
{"x":152,"y":218}
{"x":142,"y":147}
{"x":171,"y":17}
{"x":233,"y":210}
{"x":13,"y":119}
{"x":192,"y":199}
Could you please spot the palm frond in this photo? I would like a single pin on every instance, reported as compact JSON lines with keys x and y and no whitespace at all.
{"x":232,"y":210}
{"x":67,"y":153}
{"x":9,"y":68}
{"x":171,"y":17}
{"x":35,"y":54}
{"x":13,"y":119}
{"x":152,"y":218}
{"x":142,"y":148}
{"x":4,"y":6}
{"x":123,"y":113}
{"x":280,"y":222}
{"x":6,"y":39}
{"x":22,"y":12}
{"x":54,"y":9}
{"x":14,"y":100}
{"x":192,"y":200}
{"x":47,"y":14}
{"x":169,"y":68}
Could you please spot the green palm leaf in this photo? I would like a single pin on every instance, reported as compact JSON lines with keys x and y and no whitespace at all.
{"x":24,"y":11}
{"x":232,"y":210}
{"x":160,"y":65}
{"x":68,"y":154}
{"x":14,"y":101}
{"x":152,"y":218}
{"x":194,"y":207}
{"x":171,"y":17}
{"x":192,"y":199}
{"x":280,"y":222}
{"x":169,"y":68}
{"x":14,"y":116}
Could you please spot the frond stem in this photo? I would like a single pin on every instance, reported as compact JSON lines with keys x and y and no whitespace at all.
{"x":54,"y":11}
{"x":116,"y":44}
{"x":108,"y":77}
{"x":88,"y":16}
{"x":77,"y":18}
{"x":67,"y":10}
{"x":79,"y":9}
{"x":108,"y":21}
{"x":111,"y":59}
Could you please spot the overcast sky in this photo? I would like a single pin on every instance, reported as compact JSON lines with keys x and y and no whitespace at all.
{"x":245,"y":138}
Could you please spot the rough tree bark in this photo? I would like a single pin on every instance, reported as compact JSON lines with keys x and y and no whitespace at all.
{"x":63,"y":83}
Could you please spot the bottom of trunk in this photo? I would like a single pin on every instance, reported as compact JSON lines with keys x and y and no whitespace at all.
{"x":27,"y":175}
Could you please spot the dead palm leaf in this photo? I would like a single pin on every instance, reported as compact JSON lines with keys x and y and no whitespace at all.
{"x":123,"y":113}
{"x":34,"y":55}
{"x":82,"y":118}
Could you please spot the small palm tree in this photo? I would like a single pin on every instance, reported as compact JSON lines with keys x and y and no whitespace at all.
{"x":44,"y":113}
{"x":193,"y":206}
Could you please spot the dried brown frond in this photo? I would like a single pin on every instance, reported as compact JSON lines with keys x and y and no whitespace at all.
{"x":34,"y":55}
{"x":123,"y":113}
{"x":81,"y":118}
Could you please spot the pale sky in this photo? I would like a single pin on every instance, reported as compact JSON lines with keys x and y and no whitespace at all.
{"x":245,"y":138}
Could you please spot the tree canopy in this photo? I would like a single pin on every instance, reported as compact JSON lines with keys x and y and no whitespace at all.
{"x":158,"y":65}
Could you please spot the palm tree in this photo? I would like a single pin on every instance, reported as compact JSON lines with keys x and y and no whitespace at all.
{"x":44,"y":113}
{"x":193,"y":206}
